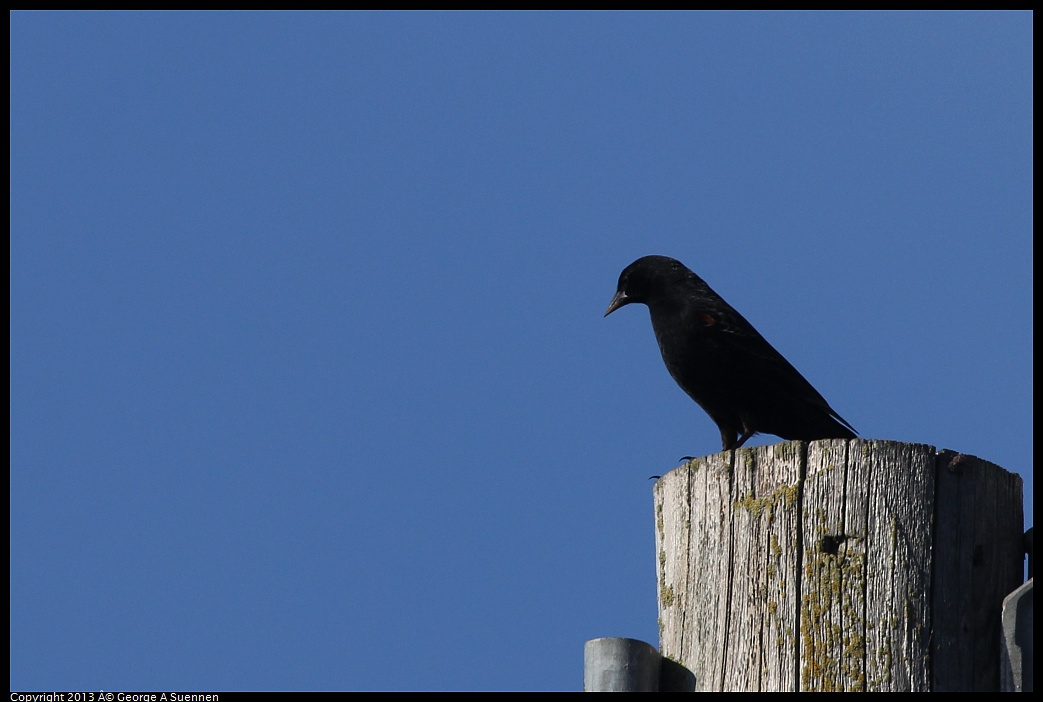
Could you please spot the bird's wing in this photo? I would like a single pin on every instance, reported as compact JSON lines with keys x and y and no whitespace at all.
{"x":735,"y":335}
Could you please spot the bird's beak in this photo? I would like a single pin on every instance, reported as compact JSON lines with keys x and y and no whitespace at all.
{"x":618,"y":301}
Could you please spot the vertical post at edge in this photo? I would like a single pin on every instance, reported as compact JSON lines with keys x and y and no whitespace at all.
{"x":1016,"y":659}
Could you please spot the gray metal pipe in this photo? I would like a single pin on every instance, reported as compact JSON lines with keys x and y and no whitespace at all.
{"x":620,"y":665}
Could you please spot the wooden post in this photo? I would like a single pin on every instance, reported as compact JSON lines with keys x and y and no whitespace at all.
{"x":837,"y":565}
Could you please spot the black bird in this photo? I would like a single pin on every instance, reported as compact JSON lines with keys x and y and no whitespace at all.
{"x":721,"y":361}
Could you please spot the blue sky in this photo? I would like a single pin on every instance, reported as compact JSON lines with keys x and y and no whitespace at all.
{"x":310,"y":384}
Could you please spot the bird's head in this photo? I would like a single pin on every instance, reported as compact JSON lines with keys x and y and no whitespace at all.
{"x":646,"y":279}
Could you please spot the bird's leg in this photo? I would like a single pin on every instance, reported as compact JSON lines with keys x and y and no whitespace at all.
{"x":728,"y":439}
{"x":742,"y":439}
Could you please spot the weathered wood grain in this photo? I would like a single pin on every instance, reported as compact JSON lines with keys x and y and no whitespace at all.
{"x":836,"y":565}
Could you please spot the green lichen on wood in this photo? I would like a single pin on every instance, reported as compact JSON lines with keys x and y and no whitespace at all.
{"x":785,"y":495}
{"x":834,"y":652}
{"x":666,"y":592}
